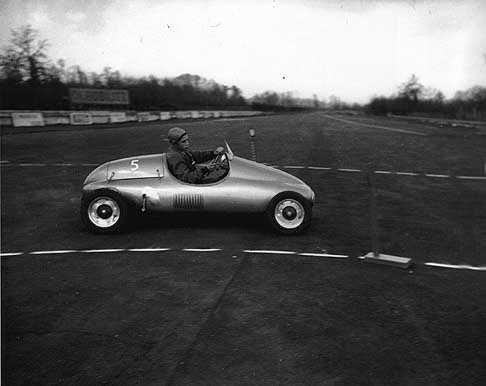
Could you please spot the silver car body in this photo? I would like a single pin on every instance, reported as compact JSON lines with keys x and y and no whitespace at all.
{"x":146,"y":182}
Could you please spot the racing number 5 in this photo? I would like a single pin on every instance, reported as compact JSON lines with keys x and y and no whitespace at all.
{"x":134,"y":164}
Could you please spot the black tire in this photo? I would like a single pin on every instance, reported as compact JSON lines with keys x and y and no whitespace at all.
{"x":289,"y":213}
{"x":104,"y":211}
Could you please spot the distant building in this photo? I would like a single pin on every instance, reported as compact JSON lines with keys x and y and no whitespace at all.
{"x":94,"y":98}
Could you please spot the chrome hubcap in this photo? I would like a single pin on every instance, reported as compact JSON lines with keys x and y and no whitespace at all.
{"x":104,"y":212}
{"x":289,"y":213}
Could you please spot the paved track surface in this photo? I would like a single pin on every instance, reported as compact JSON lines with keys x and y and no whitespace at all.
{"x":230,"y":317}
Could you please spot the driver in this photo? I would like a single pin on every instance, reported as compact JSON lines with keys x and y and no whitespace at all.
{"x":183,"y":163}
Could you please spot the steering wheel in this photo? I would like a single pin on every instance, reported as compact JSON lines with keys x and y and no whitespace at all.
{"x":219,"y":162}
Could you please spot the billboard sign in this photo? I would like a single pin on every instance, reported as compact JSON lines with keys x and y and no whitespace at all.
{"x":147,"y":117}
{"x":183,"y":114}
{"x":27,"y":119}
{"x":57,"y":120}
{"x":165,"y":115}
{"x":81,"y":119}
{"x":118,"y":117}
{"x":97,"y":96}
{"x":143,"y":117}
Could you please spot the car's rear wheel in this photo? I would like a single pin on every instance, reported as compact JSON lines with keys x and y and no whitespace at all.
{"x":289,"y":213}
{"x":104,"y":211}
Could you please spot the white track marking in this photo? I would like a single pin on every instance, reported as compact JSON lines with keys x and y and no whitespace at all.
{"x":453,"y":266}
{"x":383,"y":172}
{"x":270,"y":252}
{"x":293,"y":167}
{"x":201,"y":249}
{"x":438,"y":175}
{"x":407,"y":174}
{"x":256,"y":251}
{"x":52,"y":252}
{"x":471,"y":178}
{"x":148,"y":249}
{"x":376,"y":126}
{"x":322,"y":255}
{"x":102,"y":250}
{"x":318,"y":168}
{"x":4,"y":162}
{"x":349,"y":170}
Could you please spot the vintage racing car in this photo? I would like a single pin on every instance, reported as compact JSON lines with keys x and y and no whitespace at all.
{"x":145,"y":184}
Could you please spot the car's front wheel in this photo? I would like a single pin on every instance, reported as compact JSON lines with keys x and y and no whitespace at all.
{"x":104,"y":211}
{"x":289,"y":213}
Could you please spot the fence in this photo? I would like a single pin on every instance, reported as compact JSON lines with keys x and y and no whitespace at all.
{"x":18,"y":118}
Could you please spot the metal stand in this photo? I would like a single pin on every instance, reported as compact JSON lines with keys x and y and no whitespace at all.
{"x":394,"y":261}
{"x":375,"y":256}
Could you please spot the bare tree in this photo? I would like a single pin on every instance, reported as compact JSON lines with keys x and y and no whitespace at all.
{"x":25,"y":58}
{"x":11,"y":66}
{"x":412,"y":89}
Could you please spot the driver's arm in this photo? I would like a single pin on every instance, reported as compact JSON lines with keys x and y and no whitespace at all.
{"x":185,"y":173}
{"x":204,"y":156}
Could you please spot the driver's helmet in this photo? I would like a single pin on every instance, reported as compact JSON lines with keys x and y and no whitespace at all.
{"x":175,"y":134}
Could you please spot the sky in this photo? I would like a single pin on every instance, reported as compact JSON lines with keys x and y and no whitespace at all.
{"x":353,"y":49}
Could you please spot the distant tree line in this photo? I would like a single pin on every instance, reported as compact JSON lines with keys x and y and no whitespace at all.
{"x":270,"y":100}
{"x":30,"y":80}
{"x":415,"y":99}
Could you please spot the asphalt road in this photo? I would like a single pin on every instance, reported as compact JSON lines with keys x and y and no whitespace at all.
{"x":205,"y":307}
